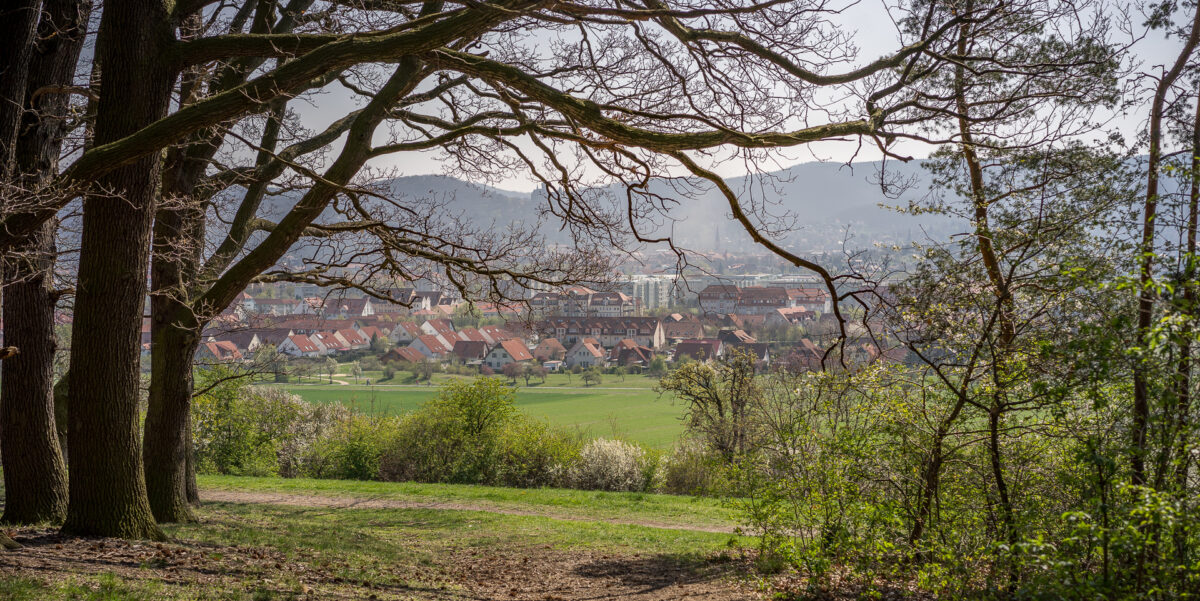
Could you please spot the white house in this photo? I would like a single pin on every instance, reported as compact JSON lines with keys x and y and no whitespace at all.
{"x":299,"y":345}
{"x":505,"y":352}
{"x":586,"y":353}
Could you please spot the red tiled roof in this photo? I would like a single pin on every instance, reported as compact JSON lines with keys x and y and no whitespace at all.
{"x":434,"y":345}
{"x":303,"y":343}
{"x":223,"y":350}
{"x":516,"y":349}
{"x":697,"y":349}
{"x":352,"y":337}
{"x":592,"y":346}
{"x":404,"y":353}
{"x":468,"y":350}
{"x":331,"y":341}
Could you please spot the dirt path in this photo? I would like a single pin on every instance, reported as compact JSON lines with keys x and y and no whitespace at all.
{"x":192,"y":570}
{"x":273,"y":498}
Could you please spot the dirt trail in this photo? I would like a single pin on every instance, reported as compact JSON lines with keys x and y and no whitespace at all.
{"x":300,"y":500}
{"x":189,"y":569}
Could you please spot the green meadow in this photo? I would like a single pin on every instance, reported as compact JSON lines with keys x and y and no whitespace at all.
{"x":630,"y":410}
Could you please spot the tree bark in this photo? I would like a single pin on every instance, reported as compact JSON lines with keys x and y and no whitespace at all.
{"x":108,"y":488}
{"x":18,"y":22}
{"x":167,"y":425}
{"x":34,"y":469}
{"x":175,"y":333}
{"x":35,"y":477}
{"x":1005,"y":309}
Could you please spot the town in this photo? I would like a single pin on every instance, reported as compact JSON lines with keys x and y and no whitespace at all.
{"x":578,"y":328}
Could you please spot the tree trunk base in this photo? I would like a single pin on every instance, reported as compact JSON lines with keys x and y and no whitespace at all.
{"x":8,"y":543}
{"x":126,"y":529}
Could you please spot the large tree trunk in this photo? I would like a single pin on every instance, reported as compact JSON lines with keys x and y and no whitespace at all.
{"x":108,"y":488}
{"x":167,"y":424}
{"x":35,"y":477}
{"x":34,"y":470}
{"x":175,"y":329}
{"x":18,"y":19}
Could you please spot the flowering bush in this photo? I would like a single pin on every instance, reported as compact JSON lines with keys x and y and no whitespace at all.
{"x":606,"y":464}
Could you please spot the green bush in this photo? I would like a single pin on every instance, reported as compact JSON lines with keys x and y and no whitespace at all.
{"x":455,"y":437}
{"x":535,"y":454}
{"x":257,"y":430}
{"x":689,"y":470}
{"x":471,"y":433}
{"x":353,"y":449}
{"x":236,"y":432}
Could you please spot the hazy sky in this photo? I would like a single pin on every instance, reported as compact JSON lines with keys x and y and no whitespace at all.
{"x":875,"y":35}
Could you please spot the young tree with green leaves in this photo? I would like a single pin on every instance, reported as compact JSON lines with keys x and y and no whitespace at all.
{"x":717,"y":400}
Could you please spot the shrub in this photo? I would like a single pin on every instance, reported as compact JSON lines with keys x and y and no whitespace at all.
{"x":353,"y":449}
{"x":689,"y":470}
{"x":230,"y":434}
{"x":534,"y":454}
{"x":454,"y":437}
{"x":606,"y":464}
{"x":257,"y":430}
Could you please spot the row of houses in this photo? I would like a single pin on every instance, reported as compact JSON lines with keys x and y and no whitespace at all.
{"x":398,"y":302}
{"x":580,"y":301}
{"x":762,"y":300}
{"x":297,"y":338}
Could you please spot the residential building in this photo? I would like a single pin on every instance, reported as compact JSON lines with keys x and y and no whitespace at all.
{"x":405,"y":332}
{"x":221,"y":350}
{"x":627,"y":353}
{"x":719,"y":298}
{"x":586,"y":353}
{"x":505,"y":352}
{"x":704,"y":350}
{"x":608,"y":331}
{"x":347,"y":308}
{"x":686,"y":329}
{"x":300,"y":345}
{"x":469,"y":351}
{"x":406,"y":354}
{"x":549,"y":349}
{"x":811,"y":299}
{"x":650,"y":291}
{"x":580,"y":301}
{"x":431,"y":346}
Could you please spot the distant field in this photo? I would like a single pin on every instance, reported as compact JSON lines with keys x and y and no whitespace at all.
{"x":635,"y":413}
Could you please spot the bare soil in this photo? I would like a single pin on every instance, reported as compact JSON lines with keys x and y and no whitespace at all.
{"x":535,"y":573}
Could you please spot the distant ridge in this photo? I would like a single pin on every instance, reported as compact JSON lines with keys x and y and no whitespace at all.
{"x":825,"y":199}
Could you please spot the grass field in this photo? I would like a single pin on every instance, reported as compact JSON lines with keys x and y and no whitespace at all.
{"x":250,"y":548}
{"x":665,"y":510}
{"x":629,"y":410}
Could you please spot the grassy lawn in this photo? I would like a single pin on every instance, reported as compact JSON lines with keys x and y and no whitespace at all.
{"x":251,"y":551}
{"x":636,"y":414}
{"x":665,"y":510}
